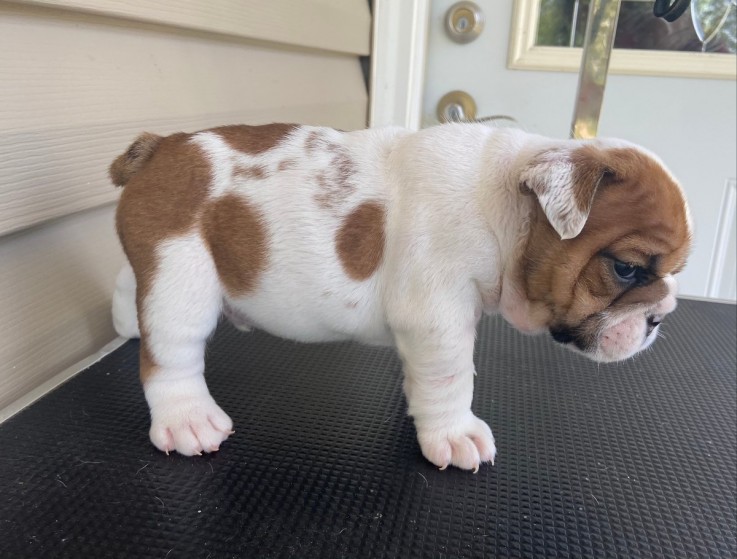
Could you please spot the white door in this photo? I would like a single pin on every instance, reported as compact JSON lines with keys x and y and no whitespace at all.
{"x":691,"y":122}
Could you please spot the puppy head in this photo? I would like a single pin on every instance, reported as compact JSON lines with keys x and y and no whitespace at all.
{"x":609,"y":231}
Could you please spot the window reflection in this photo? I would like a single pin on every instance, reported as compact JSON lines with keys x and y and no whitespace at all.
{"x":708,"y":25}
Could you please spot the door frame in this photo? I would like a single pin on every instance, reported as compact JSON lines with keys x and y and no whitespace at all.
{"x":398,"y":55}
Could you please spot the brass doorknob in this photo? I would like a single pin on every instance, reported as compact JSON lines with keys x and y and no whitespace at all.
{"x":456,"y":106}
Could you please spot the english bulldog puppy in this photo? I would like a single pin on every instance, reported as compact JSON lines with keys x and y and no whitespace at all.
{"x":388,"y":236}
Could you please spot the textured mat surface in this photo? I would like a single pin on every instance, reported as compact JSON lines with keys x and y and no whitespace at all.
{"x":629,"y":460}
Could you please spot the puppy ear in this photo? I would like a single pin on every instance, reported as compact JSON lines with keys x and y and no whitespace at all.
{"x":565,"y":182}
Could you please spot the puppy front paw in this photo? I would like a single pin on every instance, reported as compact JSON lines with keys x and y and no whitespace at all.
{"x":189,"y":425}
{"x":466,"y":443}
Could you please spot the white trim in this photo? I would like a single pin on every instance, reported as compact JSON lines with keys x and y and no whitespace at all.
{"x":721,"y":240}
{"x":40,"y":391}
{"x":398,"y":53}
{"x":525,"y":55}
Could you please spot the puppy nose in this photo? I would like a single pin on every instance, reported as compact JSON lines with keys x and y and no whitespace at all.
{"x":652,"y":322}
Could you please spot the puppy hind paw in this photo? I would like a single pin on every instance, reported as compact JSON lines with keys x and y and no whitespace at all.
{"x":190,"y":427}
{"x":466,"y":444}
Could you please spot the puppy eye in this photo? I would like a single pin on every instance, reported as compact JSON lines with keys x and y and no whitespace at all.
{"x":626,"y":272}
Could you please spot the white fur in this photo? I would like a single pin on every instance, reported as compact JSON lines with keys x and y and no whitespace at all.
{"x":625,"y":334}
{"x":180,"y":313}
{"x":125,"y":316}
{"x":455,"y":223}
{"x":552,"y":182}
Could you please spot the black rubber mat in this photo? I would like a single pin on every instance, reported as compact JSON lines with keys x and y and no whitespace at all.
{"x":629,"y":460}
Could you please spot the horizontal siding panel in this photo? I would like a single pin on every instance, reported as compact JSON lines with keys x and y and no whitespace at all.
{"x":55,"y":289}
{"x":62,"y":70}
{"x":79,"y":93}
{"x":338,"y":25}
{"x":51,"y":173}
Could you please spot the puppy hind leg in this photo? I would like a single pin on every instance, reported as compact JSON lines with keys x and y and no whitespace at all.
{"x":178,"y":314}
{"x":125,"y":317}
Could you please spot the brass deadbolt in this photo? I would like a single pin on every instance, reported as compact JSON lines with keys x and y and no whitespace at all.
{"x":464,"y":21}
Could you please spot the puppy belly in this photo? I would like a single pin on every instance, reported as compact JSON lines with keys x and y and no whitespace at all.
{"x":311,"y":319}
{"x":237,"y":318}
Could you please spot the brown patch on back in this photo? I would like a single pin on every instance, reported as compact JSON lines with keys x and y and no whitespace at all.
{"x":162,"y":200}
{"x":637,"y":215}
{"x":314,"y":141}
{"x":254,"y":139}
{"x":250,"y":172}
{"x":287,"y":165}
{"x":345,"y":168}
{"x":236,"y":235}
{"x":326,"y":196}
{"x":360,"y":240}
{"x":336,"y":182}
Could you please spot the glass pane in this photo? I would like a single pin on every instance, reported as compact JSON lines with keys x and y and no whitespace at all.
{"x":562,"y":22}
{"x":712,"y":26}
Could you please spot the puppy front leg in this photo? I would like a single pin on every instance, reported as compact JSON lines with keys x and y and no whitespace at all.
{"x":438,"y":383}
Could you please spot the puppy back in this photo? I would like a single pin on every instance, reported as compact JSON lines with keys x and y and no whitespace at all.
{"x":134,"y":159}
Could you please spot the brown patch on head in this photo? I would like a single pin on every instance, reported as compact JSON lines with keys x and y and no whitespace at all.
{"x":638,"y":216}
{"x":254,"y":139}
{"x":160,"y":201}
{"x":589,"y":171}
{"x":359,"y":242}
{"x":642,"y":216}
{"x":236,"y":234}
{"x":644,"y":295}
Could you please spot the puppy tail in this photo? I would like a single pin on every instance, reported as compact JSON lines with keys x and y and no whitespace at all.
{"x":134,"y":159}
